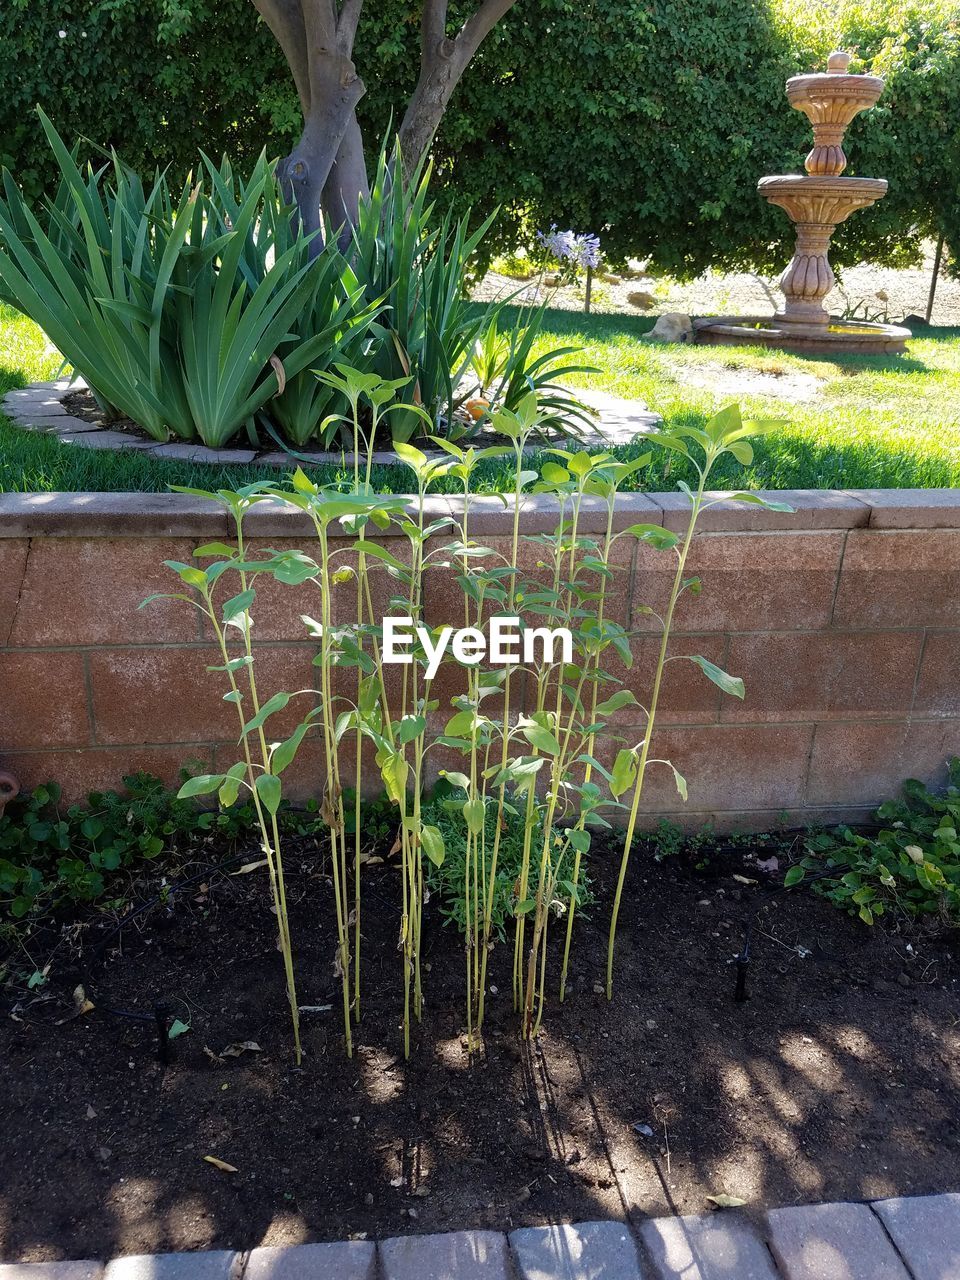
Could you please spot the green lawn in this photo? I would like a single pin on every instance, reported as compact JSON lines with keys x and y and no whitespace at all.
{"x":875,"y":422}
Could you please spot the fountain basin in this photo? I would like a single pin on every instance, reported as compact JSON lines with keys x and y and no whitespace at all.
{"x":836,"y":337}
{"x":826,"y":201}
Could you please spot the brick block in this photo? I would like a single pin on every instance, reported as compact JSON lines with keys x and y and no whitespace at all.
{"x":832,"y":1242}
{"x":110,"y":515}
{"x":345,"y":1260}
{"x":87,"y":591}
{"x":167,"y":695}
{"x":103,"y":768}
{"x":217,"y":1264}
{"x":865,"y":764}
{"x":926,"y":1232}
{"x":43,"y":701}
{"x":467,"y":1255}
{"x":13,"y":561}
{"x":938,"y":688}
{"x":686,"y":695}
{"x":579,"y":1252}
{"x":911,"y":508}
{"x":897,"y":578}
{"x":728,"y":768}
{"x":812,"y":509}
{"x":750,"y":582}
{"x":720,"y":1247}
{"x":823,"y":675}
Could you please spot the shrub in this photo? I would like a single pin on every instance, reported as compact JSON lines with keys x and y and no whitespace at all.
{"x":910,"y":869}
{"x":649,"y":122}
{"x":51,"y":855}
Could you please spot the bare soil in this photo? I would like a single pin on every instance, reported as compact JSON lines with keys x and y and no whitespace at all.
{"x":839,"y":1078}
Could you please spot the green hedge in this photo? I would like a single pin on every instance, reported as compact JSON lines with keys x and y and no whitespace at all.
{"x":648,"y":121}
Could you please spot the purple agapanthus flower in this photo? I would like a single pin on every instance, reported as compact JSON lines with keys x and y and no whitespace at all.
{"x":581,"y":250}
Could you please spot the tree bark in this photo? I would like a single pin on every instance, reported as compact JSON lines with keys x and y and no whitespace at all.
{"x":442,"y":63}
{"x":326,"y":163}
{"x":326,"y":171}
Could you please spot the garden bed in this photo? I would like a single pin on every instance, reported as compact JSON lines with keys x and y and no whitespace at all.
{"x":836,"y":1080}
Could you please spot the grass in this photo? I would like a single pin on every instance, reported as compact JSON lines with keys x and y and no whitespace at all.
{"x":876,"y":422}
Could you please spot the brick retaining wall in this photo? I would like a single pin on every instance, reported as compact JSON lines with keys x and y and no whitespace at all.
{"x":843,"y":620}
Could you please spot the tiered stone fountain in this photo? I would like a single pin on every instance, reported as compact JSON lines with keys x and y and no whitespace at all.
{"x":817,"y":203}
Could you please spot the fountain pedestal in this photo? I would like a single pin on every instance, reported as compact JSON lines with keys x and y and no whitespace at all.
{"x":816,"y":203}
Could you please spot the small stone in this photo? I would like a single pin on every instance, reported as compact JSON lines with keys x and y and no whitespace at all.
{"x":644,"y":1130}
{"x":674,"y":326}
{"x":651,"y":1024}
{"x":368,"y":1198}
{"x":642,"y":300}
{"x":598,"y":988}
{"x":903,"y":980}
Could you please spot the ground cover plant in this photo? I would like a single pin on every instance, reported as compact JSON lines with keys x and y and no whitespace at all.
{"x":550,"y":760}
{"x":908,"y":869}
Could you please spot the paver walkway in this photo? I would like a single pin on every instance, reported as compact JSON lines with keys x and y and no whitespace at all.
{"x":900,"y":1239}
{"x":39,"y":407}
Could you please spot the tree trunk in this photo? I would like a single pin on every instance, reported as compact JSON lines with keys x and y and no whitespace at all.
{"x":335,"y":91}
{"x":442,"y":63}
{"x":347,"y":184}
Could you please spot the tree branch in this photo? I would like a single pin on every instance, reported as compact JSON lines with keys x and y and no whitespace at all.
{"x":433,"y":32}
{"x":476,"y":28}
{"x":347,"y":26}
{"x":285,"y":20}
{"x":442,"y":63}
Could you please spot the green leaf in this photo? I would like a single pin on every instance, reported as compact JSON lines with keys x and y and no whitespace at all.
{"x":473,"y":812}
{"x":543,"y":739}
{"x":177,"y":1028}
{"x":579,"y":839}
{"x":624,"y":772}
{"x":276,"y":703}
{"x":654,"y":534}
{"x":794,"y":876}
{"x":729,"y":684}
{"x":202,"y":785}
{"x":285,"y":752}
{"x":754,"y":499}
{"x":394,"y":771}
{"x":432,"y":842}
{"x":269,"y":789}
{"x":231,"y":784}
{"x":238,"y":604}
{"x":616,"y":702}
{"x":411,"y":727}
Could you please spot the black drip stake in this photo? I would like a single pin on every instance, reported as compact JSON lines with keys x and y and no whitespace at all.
{"x":162,"y":1016}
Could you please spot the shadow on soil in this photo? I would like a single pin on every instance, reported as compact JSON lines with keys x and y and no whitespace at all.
{"x":836,"y":1080}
